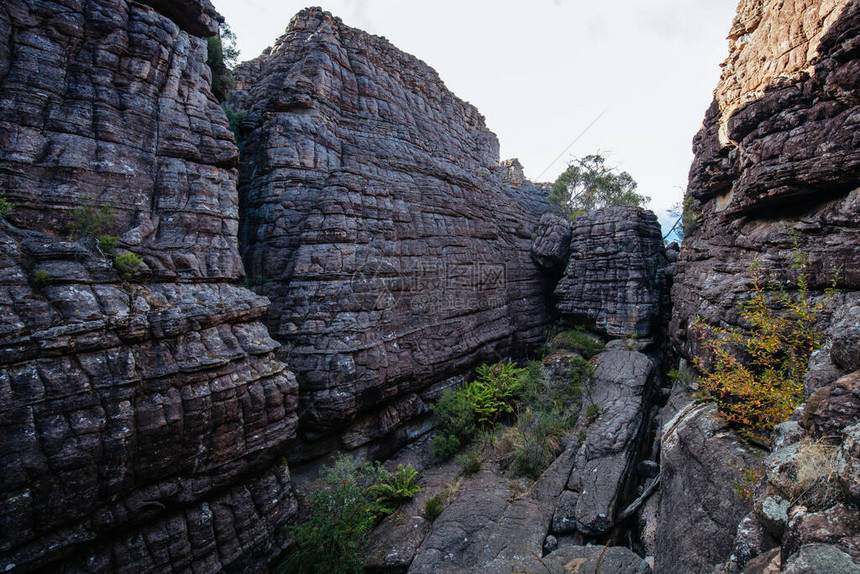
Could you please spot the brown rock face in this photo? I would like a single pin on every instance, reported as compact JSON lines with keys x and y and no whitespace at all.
{"x":777,"y":161}
{"x":376,"y":219}
{"x":614,"y":280}
{"x":142,"y":421}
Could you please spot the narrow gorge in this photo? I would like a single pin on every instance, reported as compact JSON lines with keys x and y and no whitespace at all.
{"x":195,"y":322}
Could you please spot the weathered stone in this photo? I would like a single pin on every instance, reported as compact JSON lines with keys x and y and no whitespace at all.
{"x":772,"y":513}
{"x":822,"y":370}
{"x":142,"y":422}
{"x":593,"y":559}
{"x":767,"y":563}
{"x":834,"y":407}
{"x":613,"y":281}
{"x":845,"y":345}
{"x":821,"y":559}
{"x":751,"y":541}
{"x":620,"y":389}
{"x":848,"y":463}
{"x":776,"y":167}
{"x":551,"y":247}
{"x":838,"y":526}
{"x":702,"y":462}
{"x":787,"y":433}
{"x":564,"y":518}
{"x":494,"y":524}
{"x":376,"y":219}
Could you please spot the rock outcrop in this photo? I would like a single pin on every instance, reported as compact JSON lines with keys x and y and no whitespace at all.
{"x":775,"y":179}
{"x":143,"y":412}
{"x":378,"y":221}
{"x":614,"y":280}
{"x":777,"y":163}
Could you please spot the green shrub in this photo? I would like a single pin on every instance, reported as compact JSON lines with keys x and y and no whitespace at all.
{"x":395,"y":488}
{"x":107,"y":241}
{"x":89,"y":221}
{"x":342,"y":512}
{"x":469,"y":463}
{"x":689,"y":216}
{"x":495,"y":390}
{"x":456,"y":423}
{"x":540,"y":441}
{"x":6,"y":207}
{"x":40,"y":278}
{"x":592,"y":411}
{"x":756,"y":376}
{"x":433,"y":508}
{"x":127,"y":265}
{"x":578,"y":341}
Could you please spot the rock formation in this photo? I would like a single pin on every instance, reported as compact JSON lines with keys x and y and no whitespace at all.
{"x":614,"y":279}
{"x":142,"y":420}
{"x":775,"y":177}
{"x":376,"y":218}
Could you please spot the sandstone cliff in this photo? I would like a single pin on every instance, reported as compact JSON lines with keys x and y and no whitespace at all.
{"x":376,"y":218}
{"x":776,"y":173}
{"x":142,"y":421}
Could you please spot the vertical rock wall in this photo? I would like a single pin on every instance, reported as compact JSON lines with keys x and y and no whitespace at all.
{"x":142,"y":421}
{"x":776,"y":173}
{"x":376,"y":218}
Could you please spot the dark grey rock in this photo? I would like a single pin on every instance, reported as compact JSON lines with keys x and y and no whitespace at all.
{"x":377,"y":220}
{"x":821,"y":559}
{"x":699,"y":506}
{"x":613,"y":281}
{"x":594,"y":559}
{"x":622,"y":383}
{"x":845,"y":343}
{"x":564,"y":518}
{"x":551,"y":248}
{"x":848,"y":463}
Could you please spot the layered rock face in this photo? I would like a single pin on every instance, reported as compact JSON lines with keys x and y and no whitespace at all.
{"x":377,"y":219}
{"x":775,"y":177}
{"x":614,"y":280}
{"x":777,"y":162}
{"x":142,"y":420}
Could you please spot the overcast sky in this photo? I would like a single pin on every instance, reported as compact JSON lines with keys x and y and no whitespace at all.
{"x":541,"y":71}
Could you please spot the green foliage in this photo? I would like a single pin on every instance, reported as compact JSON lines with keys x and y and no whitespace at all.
{"x":395,"y":487}
{"x":689,"y":216}
{"x":469,"y":463}
{"x":41,"y":278}
{"x":235,"y":118}
{"x":494,"y":391}
{"x":127,"y":265}
{"x":90,"y":222}
{"x":592,"y":412}
{"x":107,"y":241}
{"x":578,"y":341}
{"x":6,"y":207}
{"x":756,"y":375}
{"x":746,"y":481}
{"x":588,"y":184}
{"x":456,"y":423}
{"x":433,"y":508}
{"x":342,"y":512}
{"x":221,"y":57}
{"x":540,"y":434}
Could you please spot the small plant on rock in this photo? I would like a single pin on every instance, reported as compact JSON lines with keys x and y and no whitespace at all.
{"x":456,"y":423}
{"x":433,"y":508}
{"x":342,"y":512}
{"x":395,"y":488}
{"x":127,"y":265}
{"x":756,"y":376}
{"x":6,"y":207}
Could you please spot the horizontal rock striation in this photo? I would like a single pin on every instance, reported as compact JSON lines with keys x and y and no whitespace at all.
{"x":376,"y":219}
{"x":776,"y":176}
{"x":777,"y":163}
{"x":143,"y":420}
{"x":614,"y":279}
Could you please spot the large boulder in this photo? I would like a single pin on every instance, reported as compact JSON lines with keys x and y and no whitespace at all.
{"x":613,"y":281}
{"x":708,"y":474}
{"x":377,"y":220}
{"x":142,"y":420}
